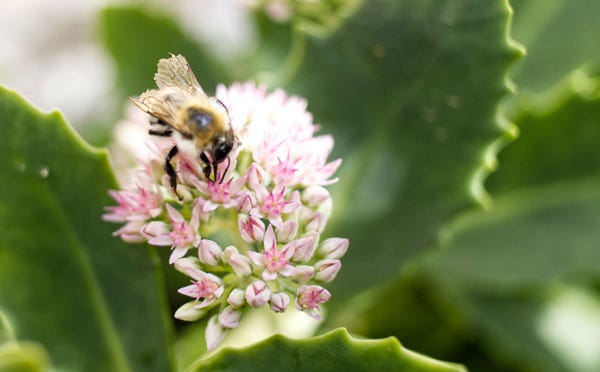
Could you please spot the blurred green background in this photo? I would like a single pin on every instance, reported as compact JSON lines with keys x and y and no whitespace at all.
{"x":469,"y":132}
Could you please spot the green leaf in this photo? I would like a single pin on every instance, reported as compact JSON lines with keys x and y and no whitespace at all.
{"x":93,"y":302}
{"x":137,"y":38}
{"x":535,"y":236}
{"x":480,"y":298}
{"x":334,"y":351}
{"x":559,"y":36}
{"x":410,"y":91}
{"x":559,"y":135}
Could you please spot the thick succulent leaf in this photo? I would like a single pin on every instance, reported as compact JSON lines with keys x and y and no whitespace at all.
{"x":535,"y":236}
{"x":559,"y":135}
{"x":93,"y":302}
{"x":559,"y":36}
{"x":137,"y":38}
{"x":538,"y":238}
{"x":492,"y":282}
{"x":334,"y":351}
{"x":410,"y":90}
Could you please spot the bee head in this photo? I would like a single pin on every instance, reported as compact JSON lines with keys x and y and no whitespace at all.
{"x":222,"y":147}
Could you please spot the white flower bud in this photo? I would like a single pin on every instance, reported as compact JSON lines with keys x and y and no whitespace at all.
{"x":230,"y":317}
{"x":188,"y":312}
{"x":327,"y":269}
{"x":245,"y":202}
{"x":279,"y":302}
{"x":304,"y":248}
{"x":314,"y":196}
{"x":184,"y":264}
{"x":255,"y":176}
{"x":214,"y":333}
{"x":209,"y":252}
{"x":240,"y":264}
{"x":333,"y":247}
{"x":303,"y":273}
{"x":316,"y":222}
{"x":236,"y":298}
{"x":154,"y":228}
{"x":286,"y":231}
{"x":257,"y":294}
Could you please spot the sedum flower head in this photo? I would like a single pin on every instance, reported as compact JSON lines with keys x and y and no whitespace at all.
{"x":269,"y":200}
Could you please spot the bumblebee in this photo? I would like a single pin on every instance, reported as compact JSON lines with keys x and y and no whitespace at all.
{"x":179,"y":108}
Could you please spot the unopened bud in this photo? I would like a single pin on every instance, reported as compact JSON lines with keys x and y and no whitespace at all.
{"x":333,"y":247}
{"x":314,"y":196}
{"x":303,"y":273}
{"x":188,"y":312}
{"x":279,"y":302}
{"x":257,"y":294}
{"x":209,"y":252}
{"x":327,"y":269}
{"x":239,"y":263}
{"x":230,"y":317}
{"x":236,"y":298}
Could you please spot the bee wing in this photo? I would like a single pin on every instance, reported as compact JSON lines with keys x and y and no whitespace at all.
{"x":175,"y":72}
{"x":162,"y":104}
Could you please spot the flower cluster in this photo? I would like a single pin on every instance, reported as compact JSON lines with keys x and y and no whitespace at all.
{"x":252,"y":237}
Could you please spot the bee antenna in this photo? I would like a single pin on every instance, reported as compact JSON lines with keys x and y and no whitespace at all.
{"x":222,"y":105}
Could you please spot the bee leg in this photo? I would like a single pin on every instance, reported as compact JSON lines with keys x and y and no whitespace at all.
{"x":165,"y":133}
{"x":171,"y":171}
{"x":207,"y":166}
{"x":226,"y":169}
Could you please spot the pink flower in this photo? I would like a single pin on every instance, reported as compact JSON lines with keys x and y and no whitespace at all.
{"x":266,"y":204}
{"x":206,"y":288}
{"x":252,"y":229}
{"x":285,"y":172}
{"x":183,"y":236}
{"x":308,"y":298}
{"x":136,"y":205}
{"x":221,"y":193}
{"x":274,"y":260}
{"x":273,"y":203}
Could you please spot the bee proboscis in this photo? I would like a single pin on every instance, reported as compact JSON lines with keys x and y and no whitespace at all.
{"x":179,"y":108}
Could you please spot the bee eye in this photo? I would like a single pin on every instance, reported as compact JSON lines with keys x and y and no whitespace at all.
{"x":201,"y":119}
{"x":221,"y":151}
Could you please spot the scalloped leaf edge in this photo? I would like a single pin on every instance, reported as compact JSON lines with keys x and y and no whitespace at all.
{"x":390,"y":344}
{"x":509,"y":129}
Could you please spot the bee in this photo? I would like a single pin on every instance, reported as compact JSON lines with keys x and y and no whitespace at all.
{"x":179,"y":108}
